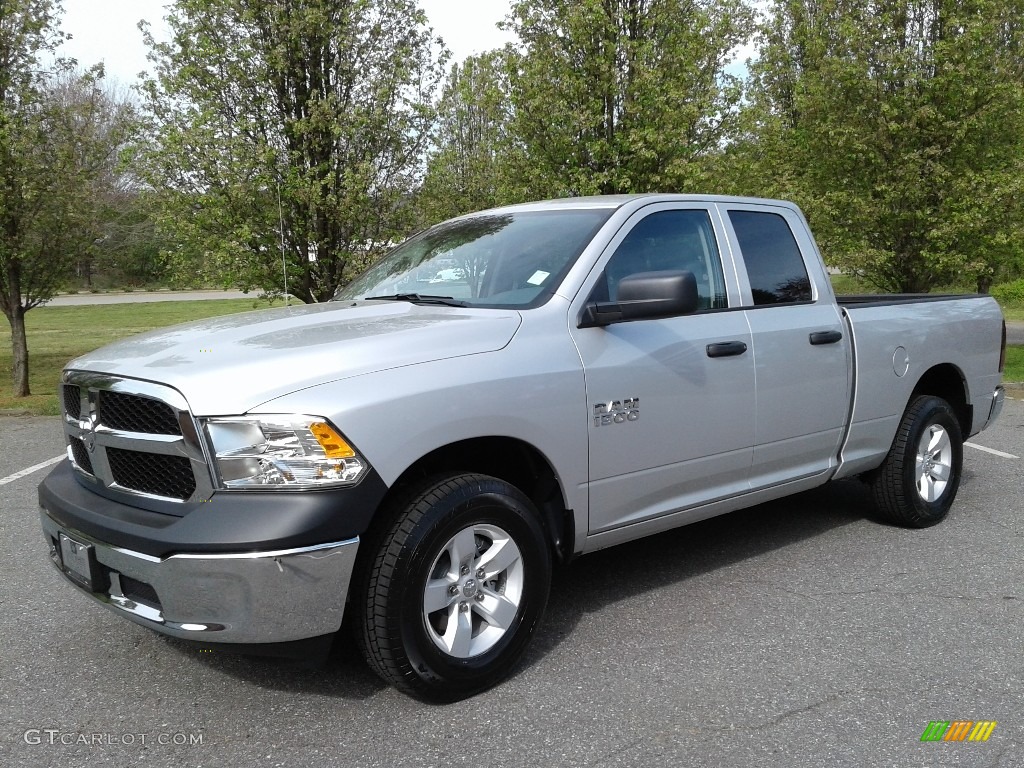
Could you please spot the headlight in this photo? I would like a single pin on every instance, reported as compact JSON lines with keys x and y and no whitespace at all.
{"x":287,"y":452}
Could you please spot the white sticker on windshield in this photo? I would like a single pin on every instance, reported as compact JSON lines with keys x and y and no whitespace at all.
{"x":538,"y":277}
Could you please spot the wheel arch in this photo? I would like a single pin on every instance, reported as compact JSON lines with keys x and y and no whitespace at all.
{"x":948,"y":382}
{"x":512,"y":460}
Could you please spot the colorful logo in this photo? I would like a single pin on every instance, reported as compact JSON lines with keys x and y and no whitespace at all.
{"x":958,"y":730}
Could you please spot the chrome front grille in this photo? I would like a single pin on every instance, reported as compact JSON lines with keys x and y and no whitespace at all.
{"x":131,"y":413}
{"x":72,"y":397}
{"x":133,"y":438}
{"x":169,"y":476}
{"x":80,"y":455}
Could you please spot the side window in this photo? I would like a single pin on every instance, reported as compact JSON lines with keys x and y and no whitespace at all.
{"x":772,"y":257}
{"x":669,"y":240}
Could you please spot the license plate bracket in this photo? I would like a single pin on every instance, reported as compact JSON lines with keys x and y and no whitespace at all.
{"x":79,"y":563}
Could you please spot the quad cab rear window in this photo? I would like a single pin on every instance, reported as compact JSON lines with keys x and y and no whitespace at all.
{"x":774,"y":265}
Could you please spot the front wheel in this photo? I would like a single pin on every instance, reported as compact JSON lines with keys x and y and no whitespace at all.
{"x":917,"y":482}
{"x":456,"y":588}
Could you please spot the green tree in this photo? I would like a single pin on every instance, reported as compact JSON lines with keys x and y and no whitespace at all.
{"x":128,"y":249}
{"x":287,"y":126}
{"x":60,"y":134}
{"x":467,"y":168}
{"x":897,"y":126}
{"x":623,"y":95}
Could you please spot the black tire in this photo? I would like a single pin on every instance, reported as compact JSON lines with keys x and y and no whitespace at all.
{"x":419,"y":651}
{"x":910,"y":492}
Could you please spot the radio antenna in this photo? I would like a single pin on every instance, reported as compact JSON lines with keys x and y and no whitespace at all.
{"x":284,"y":261}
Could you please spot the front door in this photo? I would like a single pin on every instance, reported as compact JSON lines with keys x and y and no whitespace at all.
{"x":670,"y":401}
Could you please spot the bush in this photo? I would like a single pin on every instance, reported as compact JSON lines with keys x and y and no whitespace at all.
{"x":1009,"y":293}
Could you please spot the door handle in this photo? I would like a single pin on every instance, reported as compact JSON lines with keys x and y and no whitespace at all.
{"x":726,"y":349}
{"x":825,"y":337}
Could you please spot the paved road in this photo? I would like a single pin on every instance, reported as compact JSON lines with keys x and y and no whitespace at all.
{"x":139,"y":297}
{"x":798,"y":633}
{"x":1015,"y":333}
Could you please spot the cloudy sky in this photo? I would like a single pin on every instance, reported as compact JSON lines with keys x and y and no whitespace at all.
{"x":106,"y":30}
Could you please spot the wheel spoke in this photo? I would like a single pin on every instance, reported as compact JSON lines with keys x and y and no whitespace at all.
{"x":459,"y":635}
{"x":436,"y":596}
{"x":497,"y":610}
{"x":926,"y":487}
{"x":939,"y":441}
{"x":941,"y":472}
{"x":502,"y":554}
{"x":462,"y":549}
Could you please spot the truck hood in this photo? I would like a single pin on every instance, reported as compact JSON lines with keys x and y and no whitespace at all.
{"x":228,"y":365}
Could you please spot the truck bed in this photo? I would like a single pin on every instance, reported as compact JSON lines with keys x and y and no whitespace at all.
{"x":931,"y":334}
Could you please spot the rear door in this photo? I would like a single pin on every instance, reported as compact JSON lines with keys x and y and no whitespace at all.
{"x":800,"y":348}
{"x":670,"y":401}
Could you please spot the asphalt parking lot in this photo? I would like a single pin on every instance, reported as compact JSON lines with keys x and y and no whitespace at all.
{"x":799,"y":633}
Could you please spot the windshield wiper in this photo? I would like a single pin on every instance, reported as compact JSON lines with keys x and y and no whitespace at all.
{"x":419,"y":298}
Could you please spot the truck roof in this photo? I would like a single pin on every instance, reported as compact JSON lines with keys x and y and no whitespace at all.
{"x":618,"y":201}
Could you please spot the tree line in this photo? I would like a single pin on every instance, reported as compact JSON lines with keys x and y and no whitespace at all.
{"x":311,"y":136}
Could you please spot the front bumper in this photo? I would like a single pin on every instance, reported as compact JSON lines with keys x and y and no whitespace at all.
{"x":253,"y":597}
{"x":252,"y":568}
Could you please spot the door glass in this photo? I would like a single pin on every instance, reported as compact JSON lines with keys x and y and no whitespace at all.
{"x":669,"y":240}
{"x":770,"y":253}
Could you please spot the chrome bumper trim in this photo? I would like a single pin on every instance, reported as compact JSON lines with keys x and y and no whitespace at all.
{"x":251,"y":597}
{"x":998,"y":398}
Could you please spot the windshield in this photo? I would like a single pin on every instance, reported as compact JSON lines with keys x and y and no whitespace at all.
{"x":491,"y":260}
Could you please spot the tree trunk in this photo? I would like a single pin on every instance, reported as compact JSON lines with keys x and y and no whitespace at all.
{"x":984,"y":283}
{"x":19,"y":345}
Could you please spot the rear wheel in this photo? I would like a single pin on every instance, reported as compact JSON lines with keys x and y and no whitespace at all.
{"x":917,"y":482}
{"x":456,"y":587}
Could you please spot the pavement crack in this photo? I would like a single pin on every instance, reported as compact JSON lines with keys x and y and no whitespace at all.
{"x":803,"y":710}
{"x":805,"y":596}
{"x":809,"y":708}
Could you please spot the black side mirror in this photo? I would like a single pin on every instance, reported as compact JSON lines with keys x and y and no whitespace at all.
{"x":644,"y":296}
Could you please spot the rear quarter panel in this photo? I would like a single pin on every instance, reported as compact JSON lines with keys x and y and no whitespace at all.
{"x":918,"y":335}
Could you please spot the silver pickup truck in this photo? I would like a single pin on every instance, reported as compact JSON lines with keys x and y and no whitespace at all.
{"x":502,"y":392}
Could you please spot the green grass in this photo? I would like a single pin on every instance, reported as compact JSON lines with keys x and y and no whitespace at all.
{"x":847,"y":284}
{"x":1014,"y":370}
{"x":1014,"y":313}
{"x":58,"y":334}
